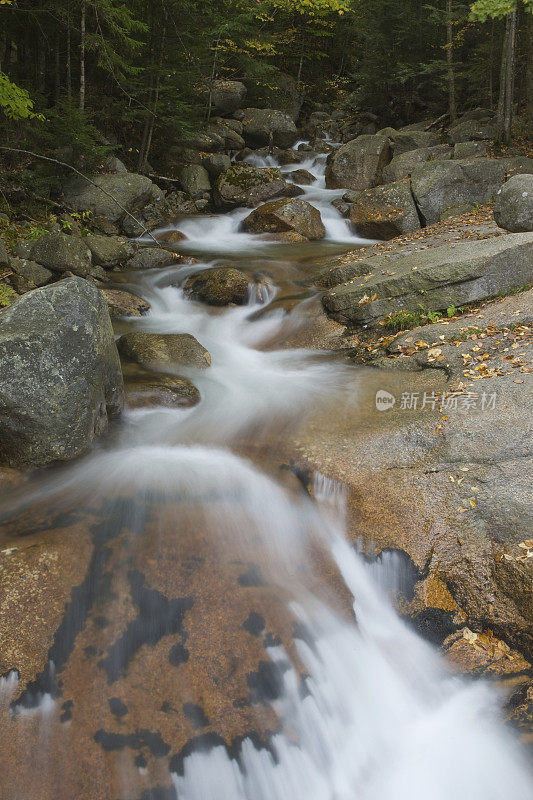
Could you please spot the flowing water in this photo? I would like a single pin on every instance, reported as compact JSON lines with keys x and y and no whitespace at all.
{"x":208,"y":631}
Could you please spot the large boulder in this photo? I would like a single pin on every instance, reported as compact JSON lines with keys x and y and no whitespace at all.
{"x":108,"y":195}
{"x":358,"y":164}
{"x":443,"y":188}
{"x":226,"y":96}
{"x":62,"y":253}
{"x":220,"y":286}
{"x":385,"y":211}
{"x":471,"y":150}
{"x":61,"y":377}
{"x":259,"y":123}
{"x":284,"y":215}
{"x":435,"y":279}
{"x":164,"y":348}
{"x":405,"y":141}
{"x":513,"y":209}
{"x":164,"y":210}
{"x":245,"y":185}
{"x":469,"y":130}
{"x":194,"y":180}
{"x":402,"y":165}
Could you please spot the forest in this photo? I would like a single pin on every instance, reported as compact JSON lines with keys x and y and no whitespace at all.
{"x":135,"y":76}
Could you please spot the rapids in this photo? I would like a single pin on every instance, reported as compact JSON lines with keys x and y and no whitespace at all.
{"x":186,"y":528}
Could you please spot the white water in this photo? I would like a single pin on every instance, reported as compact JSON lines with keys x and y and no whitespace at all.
{"x":381,"y":717}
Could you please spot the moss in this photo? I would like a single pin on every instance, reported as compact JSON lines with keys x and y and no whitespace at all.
{"x":7,"y":295}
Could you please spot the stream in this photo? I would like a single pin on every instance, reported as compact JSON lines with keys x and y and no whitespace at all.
{"x":215,"y":634}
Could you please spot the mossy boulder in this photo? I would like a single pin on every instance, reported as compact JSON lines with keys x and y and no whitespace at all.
{"x":245,"y":185}
{"x":181,"y":349}
{"x":220,"y":286}
{"x":62,"y":253}
{"x":284,"y":215}
{"x":109,"y":251}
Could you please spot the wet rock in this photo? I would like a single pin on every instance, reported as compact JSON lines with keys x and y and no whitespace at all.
{"x":172,"y":237}
{"x":342,"y":207}
{"x":245,"y":185}
{"x":402,"y":165}
{"x":164,"y":348}
{"x":472,"y":130}
{"x":385,"y":212}
{"x":124,"y":304}
{"x":128,"y":191}
{"x":286,"y":157}
{"x":31,"y":271}
{"x":300,"y":176}
{"x":109,"y":251}
{"x":470,"y":150}
{"x":194,"y":180}
{"x":62,"y":253}
{"x":442,"y":188}
{"x":451,"y":275}
{"x":513,"y":209}
{"x":220,"y":286}
{"x":151,"y":258}
{"x":284,"y":215}
{"x":260,"y":123}
{"x":61,"y":374}
{"x":170,"y":391}
{"x":216,"y":164}
{"x":358,"y":164}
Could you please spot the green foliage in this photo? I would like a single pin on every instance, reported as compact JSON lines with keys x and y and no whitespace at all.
{"x":7,"y":295}
{"x":14,"y":101}
{"x":483,"y":10}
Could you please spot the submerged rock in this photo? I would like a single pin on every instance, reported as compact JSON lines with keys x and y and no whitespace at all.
{"x":513,"y":209}
{"x":245,"y":185}
{"x":164,"y":348}
{"x":61,"y":377}
{"x":280,"y":216}
{"x":170,"y":391}
{"x":220,"y":286}
{"x":385,"y":212}
{"x":438,"y":278}
{"x":358,"y":164}
{"x":62,"y":253}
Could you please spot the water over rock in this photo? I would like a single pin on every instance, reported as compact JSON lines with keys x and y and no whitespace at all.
{"x":61,"y":377}
{"x":284,"y":215}
{"x":220,"y":286}
{"x":169,"y":391}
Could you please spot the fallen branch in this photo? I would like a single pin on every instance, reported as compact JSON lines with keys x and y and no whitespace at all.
{"x":69,"y":166}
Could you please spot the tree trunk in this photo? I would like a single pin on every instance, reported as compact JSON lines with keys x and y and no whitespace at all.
{"x":505,"y":99}
{"x":82,"y":54}
{"x":529,"y":70}
{"x":449,"y":60}
{"x":68,"y":64}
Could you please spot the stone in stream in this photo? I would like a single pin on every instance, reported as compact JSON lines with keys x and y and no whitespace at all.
{"x":220,"y":286}
{"x":124,"y":304}
{"x":245,"y":185}
{"x":109,"y":251}
{"x":172,"y":237}
{"x":444,"y":188}
{"x":358,"y":164}
{"x":170,"y":391}
{"x":301,"y":176}
{"x":260,"y":123}
{"x":402,"y":165}
{"x":129,"y":191}
{"x":62,"y":253}
{"x":61,"y":376}
{"x":513,"y":209}
{"x":284,"y":215}
{"x":385,"y":212}
{"x":437,"y":278}
{"x":164,"y":348}
{"x":152,"y":258}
